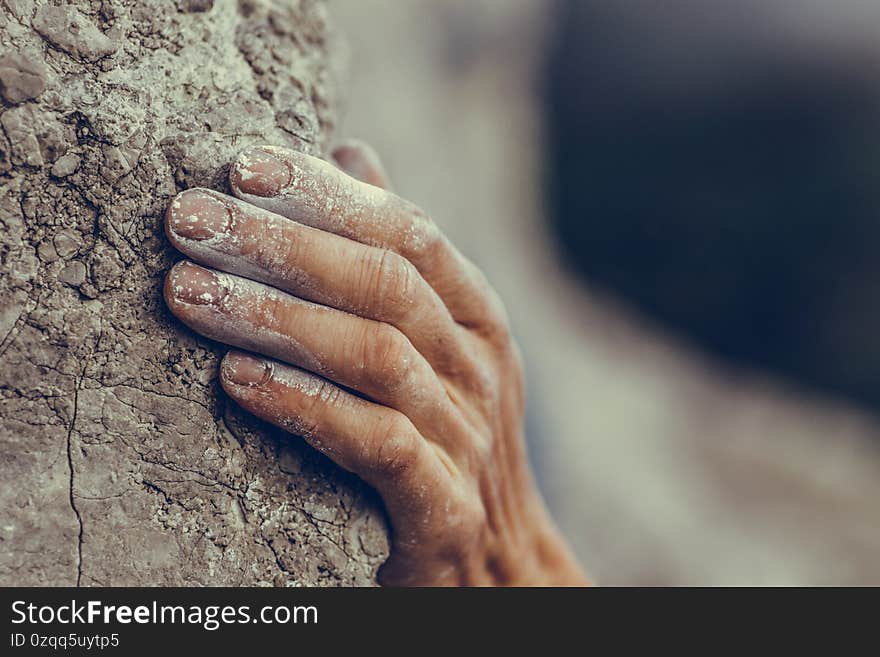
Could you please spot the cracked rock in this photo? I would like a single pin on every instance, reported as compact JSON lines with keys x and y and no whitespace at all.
{"x":130,"y":466}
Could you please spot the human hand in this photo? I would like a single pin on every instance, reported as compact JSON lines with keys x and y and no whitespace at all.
{"x":375,"y":340}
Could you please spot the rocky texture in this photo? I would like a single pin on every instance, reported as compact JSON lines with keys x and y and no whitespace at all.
{"x":122,"y":462}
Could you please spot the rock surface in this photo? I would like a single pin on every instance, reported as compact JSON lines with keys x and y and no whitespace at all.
{"x":123,"y":463}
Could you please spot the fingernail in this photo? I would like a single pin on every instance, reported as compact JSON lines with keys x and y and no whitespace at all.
{"x":260,"y":173}
{"x":195,"y":285}
{"x":197,"y":215}
{"x":245,"y":370}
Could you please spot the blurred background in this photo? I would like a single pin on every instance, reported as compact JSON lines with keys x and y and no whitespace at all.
{"x":678,"y":203}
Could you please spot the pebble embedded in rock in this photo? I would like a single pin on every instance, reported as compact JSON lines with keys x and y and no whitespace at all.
{"x":66,"y":243}
{"x":73,"y":274}
{"x":68,"y":29}
{"x":46,"y":251}
{"x":65,"y":165}
{"x":21,"y":78}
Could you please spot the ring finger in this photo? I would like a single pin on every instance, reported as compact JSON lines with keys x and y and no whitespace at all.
{"x":370,"y":357}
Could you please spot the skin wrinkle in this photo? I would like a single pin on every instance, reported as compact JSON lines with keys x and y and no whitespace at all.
{"x":266,"y":400}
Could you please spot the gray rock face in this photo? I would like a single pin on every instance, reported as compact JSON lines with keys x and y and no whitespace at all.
{"x":21,"y":78}
{"x":122,"y":462}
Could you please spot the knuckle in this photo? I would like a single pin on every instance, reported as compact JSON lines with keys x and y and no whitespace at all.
{"x":268,"y":244}
{"x":492,"y":321}
{"x":283,"y":253}
{"x":309,"y":411}
{"x":325,"y":194}
{"x":481,"y":454}
{"x":463,"y":523}
{"x":474,"y":457}
{"x":483,"y":383}
{"x":429,"y":243}
{"x":496,"y":322}
{"x":387,"y":357}
{"x":424,"y":240}
{"x":274,"y":249}
{"x":334,"y":202}
{"x":271,"y":311}
{"x":314,"y":407}
{"x":494,"y":329}
{"x":477,"y":371}
{"x":395,"y":448}
{"x":395,"y":283}
{"x":471,"y":516}
{"x":304,"y":426}
{"x":322,"y":397}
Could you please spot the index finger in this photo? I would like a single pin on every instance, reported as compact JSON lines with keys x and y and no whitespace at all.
{"x":313,"y":192}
